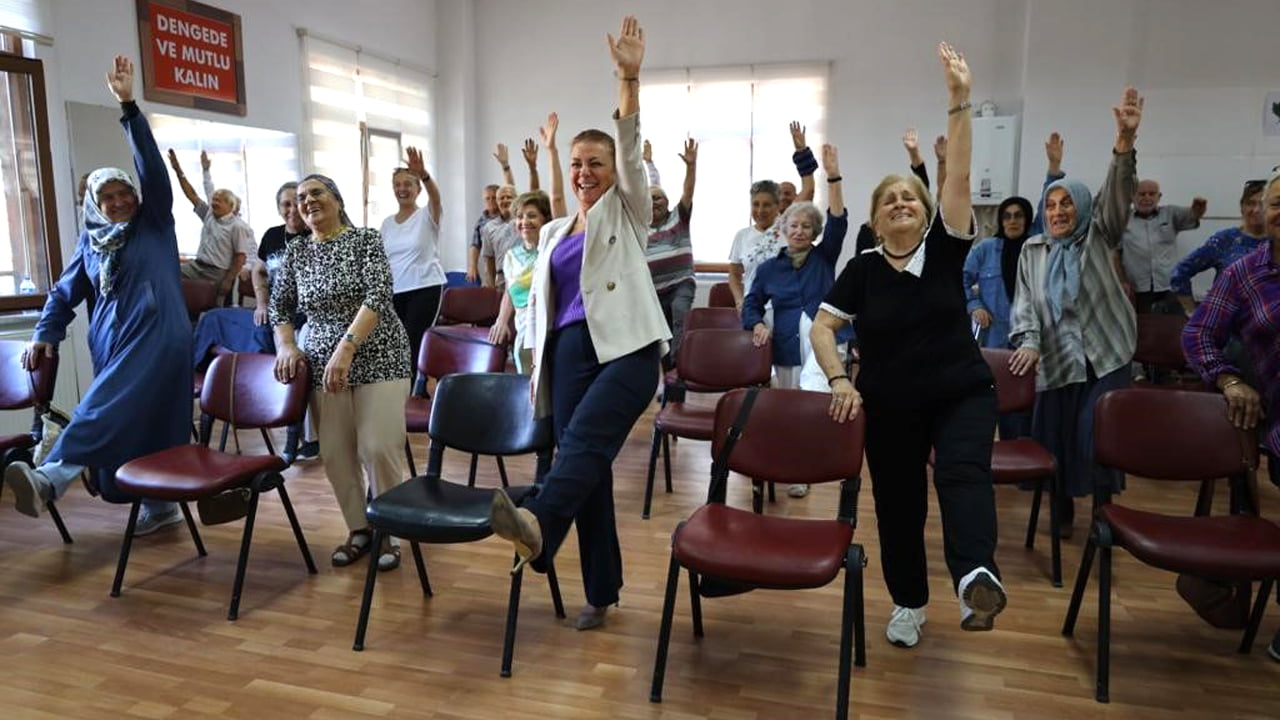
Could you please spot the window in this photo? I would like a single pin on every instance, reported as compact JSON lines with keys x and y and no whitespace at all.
{"x":364,"y":110}
{"x":740,"y":118}
{"x":30,"y":252}
{"x":250,"y":162}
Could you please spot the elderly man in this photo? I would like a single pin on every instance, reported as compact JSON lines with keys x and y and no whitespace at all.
{"x":489,"y":213}
{"x":1148,"y":252}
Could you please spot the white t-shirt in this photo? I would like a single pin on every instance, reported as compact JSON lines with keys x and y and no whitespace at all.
{"x":413,"y":250}
{"x":752,"y":247}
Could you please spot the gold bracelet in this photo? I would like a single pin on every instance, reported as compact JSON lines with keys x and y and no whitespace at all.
{"x":1231,"y":383}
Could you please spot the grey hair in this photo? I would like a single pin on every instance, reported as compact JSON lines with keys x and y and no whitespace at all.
{"x":765,"y":186}
{"x":798,"y":207}
{"x":291,"y":185}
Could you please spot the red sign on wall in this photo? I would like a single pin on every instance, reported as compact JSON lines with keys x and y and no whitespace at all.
{"x":192,"y":55}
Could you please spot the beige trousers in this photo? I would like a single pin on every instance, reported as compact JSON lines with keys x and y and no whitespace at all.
{"x":361,"y":433}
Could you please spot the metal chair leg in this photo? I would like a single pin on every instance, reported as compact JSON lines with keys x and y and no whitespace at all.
{"x":471,"y":477}
{"x":366,"y":601}
{"x":554,"y":583}
{"x":422,"y":568}
{"x":513,"y":611}
{"x":664,"y":631}
{"x":846,"y":635}
{"x":243,"y":563}
{"x":1104,"y":625}
{"x":502,"y":471}
{"x":666,"y":460}
{"x":695,"y":604}
{"x":1034,"y":518}
{"x":859,"y":560}
{"x":1077,"y":593}
{"x":297,"y":529}
{"x":1055,"y":537}
{"x":1255,"y":617}
{"x":408,"y":456}
{"x":57,"y":520}
{"x":653,"y":468}
{"x":191,"y":527}
{"x":125,"y":546}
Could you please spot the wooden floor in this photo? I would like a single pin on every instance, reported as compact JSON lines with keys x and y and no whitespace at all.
{"x":165,"y":650}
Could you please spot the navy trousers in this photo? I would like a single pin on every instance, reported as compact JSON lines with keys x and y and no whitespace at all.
{"x":593,"y":408}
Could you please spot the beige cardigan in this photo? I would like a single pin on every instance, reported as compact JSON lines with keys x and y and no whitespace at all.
{"x":623,"y":313}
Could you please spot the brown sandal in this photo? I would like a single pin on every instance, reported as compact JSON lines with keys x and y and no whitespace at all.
{"x":349,"y":552}
{"x":389,"y":558}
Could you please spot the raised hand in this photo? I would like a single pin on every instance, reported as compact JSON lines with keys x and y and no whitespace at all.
{"x":120,"y":79}
{"x":205,"y":162}
{"x":940,"y":148}
{"x":173,"y":162}
{"x":646,"y":152}
{"x":956,"y":71}
{"x":548,"y":131}
{"x":628,"y":49}
{"x":1053,"y":151}
{"x":797,"y":135}
{"x":1128,"y":113}
{"x":1199,"y":206}
{"x":417,"y":163}
{"x":690,"y":154}
{"x":911,"y":141}
{"x":530,"y":152}
{"x":500,"y":154}
{"x":830,"y":160}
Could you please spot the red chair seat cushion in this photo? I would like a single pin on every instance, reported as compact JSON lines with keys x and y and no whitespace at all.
{"x":762,"y":550}
{"x":1020,"y":460}
{"x":417,"y":414}
{"x":1222,"y":547}
{"x":464,"y":332}
{"x":191,"y":472}
{"x":683,"y":420}
{"x":21,"y":440}
{"x":673,"y":376}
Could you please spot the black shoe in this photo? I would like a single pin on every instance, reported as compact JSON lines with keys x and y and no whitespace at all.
{"x":1274,"y":648}
{"x":291,"y":438}
{"x":309,"y":450}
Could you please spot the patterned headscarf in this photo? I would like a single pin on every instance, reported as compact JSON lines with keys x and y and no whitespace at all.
{"x":332,"y":187}
{"x":106,"y":237}
{"x":1062,"y":277}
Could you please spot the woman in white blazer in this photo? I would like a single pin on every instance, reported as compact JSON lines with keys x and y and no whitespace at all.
{"x":598,"y":335}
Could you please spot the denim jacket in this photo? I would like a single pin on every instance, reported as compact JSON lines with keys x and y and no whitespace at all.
{"x":984,"y":288}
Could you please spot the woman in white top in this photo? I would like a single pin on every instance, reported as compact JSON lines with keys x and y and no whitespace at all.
{"x":412,"y":241}
{"x":756,"y":242}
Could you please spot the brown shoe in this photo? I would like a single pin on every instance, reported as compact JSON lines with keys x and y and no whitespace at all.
{"x":517,"y":526}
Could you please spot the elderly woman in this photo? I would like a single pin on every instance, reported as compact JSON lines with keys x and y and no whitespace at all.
{"x":598,"y":334}
{"x":532,"y":211}
{"x":125,"y":265}
{"x":1223,"y":247}
{"x":226,"y":240}
{"x":1071,"y":317}
{"x":411,"y":238}
{"x":1244,"y":303}
{"x":339,"y":277}
{"x":924,"y":382}
{"x":756,"y":242}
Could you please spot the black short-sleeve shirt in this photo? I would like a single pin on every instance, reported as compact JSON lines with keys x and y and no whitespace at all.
{"x":914,"y":333}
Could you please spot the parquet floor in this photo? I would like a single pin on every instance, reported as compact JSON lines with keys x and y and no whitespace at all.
{"x":165,"y":650}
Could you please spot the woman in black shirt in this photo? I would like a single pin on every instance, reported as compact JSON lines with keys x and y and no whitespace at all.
{"x":923,"y":381}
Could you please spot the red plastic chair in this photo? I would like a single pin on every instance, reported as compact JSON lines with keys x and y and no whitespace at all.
{"x":709,"y":361}
{"x":1023,"y":459}
{"x":443,"y":353}
{"x":241,"y":390}
{"x":721,"y":296}
{"x":1159,"y":346}
{"x":1173,"y":435}
{"x":789,"y":437}
{"x":19,"y":390}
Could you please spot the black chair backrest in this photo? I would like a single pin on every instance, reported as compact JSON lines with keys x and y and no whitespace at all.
{"x":487,"y":414}
{"x":19,"y":388}
{"x":241,"y":388}
{"x":790,"y":437}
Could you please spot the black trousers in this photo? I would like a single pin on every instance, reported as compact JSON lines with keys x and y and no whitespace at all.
{"x":594,"y":407}
{"x":417,"y":309}
{"x":899,"y":439}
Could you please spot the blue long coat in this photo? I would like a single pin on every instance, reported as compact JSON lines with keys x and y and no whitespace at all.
{"x":139,"y":336}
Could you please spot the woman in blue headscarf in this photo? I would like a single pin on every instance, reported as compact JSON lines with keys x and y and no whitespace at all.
{"x":126,"y":264}
{"x":1071,"y":316}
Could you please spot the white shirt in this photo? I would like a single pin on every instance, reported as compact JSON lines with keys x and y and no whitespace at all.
{"x":413,"y":249}
{"x":752,"y":247}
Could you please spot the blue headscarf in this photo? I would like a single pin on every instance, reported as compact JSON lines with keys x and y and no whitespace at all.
{"x":1062,"y":278}
{"x":106,"y":237}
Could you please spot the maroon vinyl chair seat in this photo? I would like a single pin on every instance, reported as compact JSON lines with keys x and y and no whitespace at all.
{"x":447,"y":351}
{"x":710,"y":359}
{"x":1171,"y":435}
{"x":1023,"y":460}
{"x":191,"y":472}
{"x":788,"y":437}
{"x":241,"y":390}
{"x":766,"y":550}
{"x":21,"y":389}
{"x":199,"y":296}
{"x":469,"y":305}
{"x":721,"y":296}
{"x":704,"y":318}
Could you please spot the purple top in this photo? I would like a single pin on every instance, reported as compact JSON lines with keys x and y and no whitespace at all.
{"x":1244,"y":301}
{"x":566,"y":278}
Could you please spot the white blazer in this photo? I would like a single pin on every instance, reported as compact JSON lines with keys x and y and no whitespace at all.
{"x":622,"y":308}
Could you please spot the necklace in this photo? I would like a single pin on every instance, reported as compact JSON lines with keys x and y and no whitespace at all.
{"x":326,"y":237}
{"x":884,"y":247}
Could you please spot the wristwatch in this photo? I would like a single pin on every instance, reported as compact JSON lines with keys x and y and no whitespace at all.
{"x":351,"y":338}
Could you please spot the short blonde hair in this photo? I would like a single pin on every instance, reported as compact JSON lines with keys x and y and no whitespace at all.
{"x":916,"y":186}
{"x":800,"y":207}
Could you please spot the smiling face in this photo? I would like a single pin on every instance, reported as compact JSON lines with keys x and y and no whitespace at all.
{"x":1251,"y":214}
{"x":320,"y":209}
{"x":529,"y":220}
{"x":799,"y":230}
{"x":591,"y":171}
{"x":117,"y":201}
{"x":1060,"y":212}
{"x":1146,"y":197}
{"x":506,"y":196}
{"x":764,"y":210}
{"x":288,"y":207}
{"x":406,"y":187}
{"x":899,"y":210}
{"x":661,"y":210}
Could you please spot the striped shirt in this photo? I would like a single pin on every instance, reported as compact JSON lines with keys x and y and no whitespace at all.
{"x":1244,"y":302}
{"x":1100,"y":327}
{"x":670,"y":250}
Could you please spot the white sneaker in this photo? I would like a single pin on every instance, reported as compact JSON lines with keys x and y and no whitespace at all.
{"x":904,"y":626}
{"x":797,"y":491}
{"x":31,"y":489}
{"x":149,"y":523}
{"x":981,"y":599}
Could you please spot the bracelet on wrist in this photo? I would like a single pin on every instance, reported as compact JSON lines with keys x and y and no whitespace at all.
{"x":834,"y":179}
{"x":960,"y":108}
{"x":832,"y":380}
{"x":1231,"y":383}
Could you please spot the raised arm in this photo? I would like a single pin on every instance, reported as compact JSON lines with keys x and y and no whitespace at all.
{"x":500,"y":154}
{"x":911,"y":143}
{"x":183,"y":183}
{"x":530,"y":153}
{"x":418,"y":166}
{"x":157,"y":195}
{"x":957,"y":203}
{"x":1053,"y":150}
{"x":628,"y":54}
{"x":646,"y":154}
{"x":548,"y":133}
{"x":206,"y":176}
{"x":831,"y":166}
{"x":940,"y":152}
{"x":805,"y":163}
{"x":1111,"y":212}
{"x":690,"y":158}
